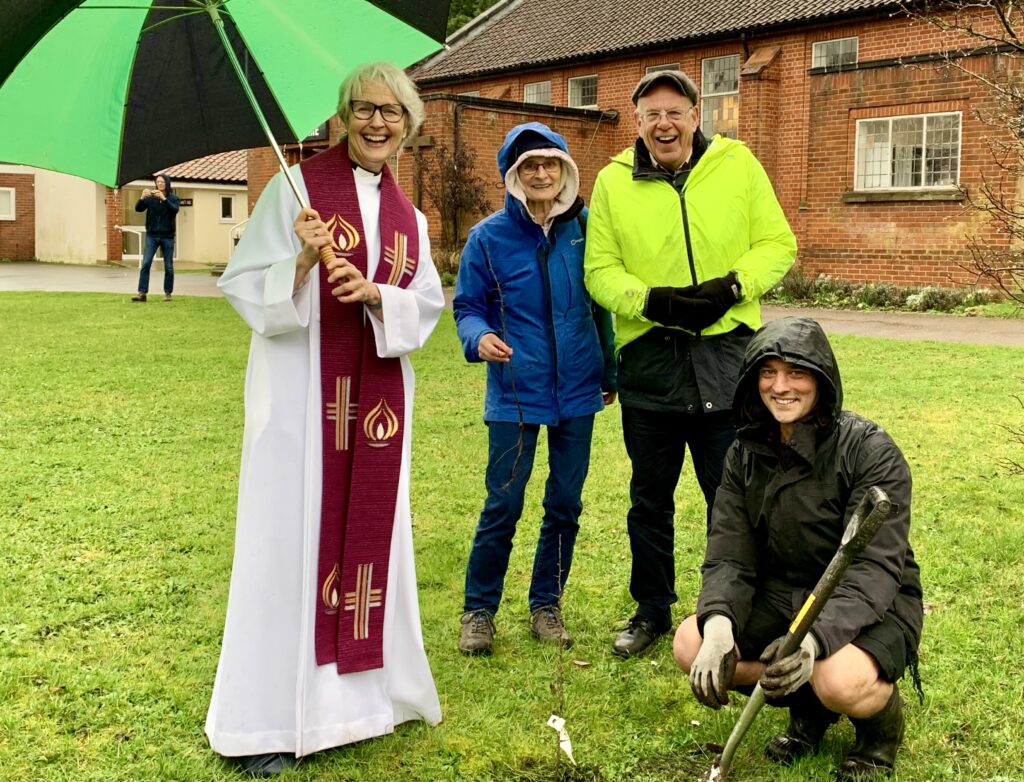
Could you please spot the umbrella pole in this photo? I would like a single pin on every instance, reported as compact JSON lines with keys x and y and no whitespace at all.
{"x":218,"y":25}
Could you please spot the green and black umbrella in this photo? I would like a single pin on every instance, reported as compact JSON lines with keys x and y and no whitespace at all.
{"x":116,"y":90}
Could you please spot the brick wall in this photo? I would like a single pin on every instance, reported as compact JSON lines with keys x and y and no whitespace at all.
{"x":481,"y":130}
{"x":18,"y":237}
{"x":112,"y":203}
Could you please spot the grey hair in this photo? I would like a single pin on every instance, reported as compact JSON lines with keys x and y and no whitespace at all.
{"x":396,"y":80}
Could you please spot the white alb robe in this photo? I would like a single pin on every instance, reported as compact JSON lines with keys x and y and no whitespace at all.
{"x":269,"y":694}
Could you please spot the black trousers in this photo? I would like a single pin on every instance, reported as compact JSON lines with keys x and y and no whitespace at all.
{"x":656,"y":443}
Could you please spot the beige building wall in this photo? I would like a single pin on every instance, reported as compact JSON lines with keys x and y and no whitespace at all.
{"x":210,"y":232}
{"x":70,"y":217}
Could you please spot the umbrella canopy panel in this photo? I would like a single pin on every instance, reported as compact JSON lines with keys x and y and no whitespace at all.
{"x":115,"y":90}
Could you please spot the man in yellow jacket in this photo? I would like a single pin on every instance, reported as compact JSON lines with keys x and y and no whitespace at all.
{"x":683,"y":239}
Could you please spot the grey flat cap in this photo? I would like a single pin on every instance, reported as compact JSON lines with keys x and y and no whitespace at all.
{"x":676,"y":79}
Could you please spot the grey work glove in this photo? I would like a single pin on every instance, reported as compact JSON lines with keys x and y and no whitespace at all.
{"x":715,"y":663}
{"x":787,"y":675}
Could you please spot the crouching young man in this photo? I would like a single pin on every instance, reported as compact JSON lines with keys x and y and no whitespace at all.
{"x":792,"y":479}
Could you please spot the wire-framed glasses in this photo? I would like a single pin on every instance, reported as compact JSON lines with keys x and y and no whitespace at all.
{"x":531,"y":166}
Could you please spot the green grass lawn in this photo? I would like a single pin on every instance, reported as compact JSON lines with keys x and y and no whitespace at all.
{"x":120,"y":429}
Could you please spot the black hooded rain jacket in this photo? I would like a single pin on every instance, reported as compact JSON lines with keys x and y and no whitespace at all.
{"x":781,"y":510}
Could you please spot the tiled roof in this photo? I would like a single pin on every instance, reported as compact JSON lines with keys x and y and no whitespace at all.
{"x":518,"y":34}
{"x":228,"y":167}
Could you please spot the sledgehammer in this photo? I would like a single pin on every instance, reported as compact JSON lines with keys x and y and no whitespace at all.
{"x":871,"y":511}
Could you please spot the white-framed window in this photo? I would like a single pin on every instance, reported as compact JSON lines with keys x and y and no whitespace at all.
{"x":227,"y":209}
{"x":583,"y":92}
{"x":720,"y":96}
{"x":669,"y":66}
{"x":7,"y":203}
{"x":832,"y":54}
{"x":905,"y":153}
{"x":537,"y":92}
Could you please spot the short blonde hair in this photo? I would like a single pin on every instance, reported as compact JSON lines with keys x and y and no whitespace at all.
{"x":396,"y":80}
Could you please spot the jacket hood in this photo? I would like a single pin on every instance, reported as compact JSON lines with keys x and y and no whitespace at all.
{"x":799,"y":341}
{"x":538,"y":140}
{"x":170,"y":187}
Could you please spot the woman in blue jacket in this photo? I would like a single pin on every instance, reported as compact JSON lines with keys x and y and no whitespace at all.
{"x":520,"y":305}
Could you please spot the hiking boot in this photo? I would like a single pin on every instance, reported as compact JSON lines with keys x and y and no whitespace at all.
{"x":878,"y":737}
{"x":139,"y":297}
{"x":638,"y":636}
{"x":547,"y":626}
{"x":477,"y":634}
{"x":268,"y":765}
{"x":808,"y":721}
{"x":167,"y":297}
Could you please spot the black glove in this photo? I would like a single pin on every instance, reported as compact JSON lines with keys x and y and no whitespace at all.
{"x":720,"y":291}
{"x":679,"y":307}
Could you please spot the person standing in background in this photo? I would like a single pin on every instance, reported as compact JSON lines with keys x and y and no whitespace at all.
{"x":161,"y":208}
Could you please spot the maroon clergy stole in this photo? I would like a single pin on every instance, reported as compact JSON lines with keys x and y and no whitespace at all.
{"x":362,"y":417}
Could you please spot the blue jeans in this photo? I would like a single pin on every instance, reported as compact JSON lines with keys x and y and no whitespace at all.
{"x":507,"y":474}
{"x":166,"y":245}
{"x":656,"y":444}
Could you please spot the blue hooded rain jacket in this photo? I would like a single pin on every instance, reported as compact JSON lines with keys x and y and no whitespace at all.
{"x":527,"y":287}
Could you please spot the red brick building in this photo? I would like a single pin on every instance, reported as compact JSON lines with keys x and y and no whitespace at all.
{"x":868,"y":139}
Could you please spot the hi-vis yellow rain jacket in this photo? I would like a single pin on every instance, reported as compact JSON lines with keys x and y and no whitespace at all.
{"x":642,"y":233}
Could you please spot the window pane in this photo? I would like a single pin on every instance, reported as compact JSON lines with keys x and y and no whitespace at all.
{"x":583,"y":92}
{"x":538,"y":92}
{"x":6,"y":204}
{"x":942,"y":150}
{"x":720,"y":75}
{"x":720,"y":115}
{"x":907,"y":151}
{"x":830,"y":54}
{"x":227,"y":207}
{"x":872,"y":154}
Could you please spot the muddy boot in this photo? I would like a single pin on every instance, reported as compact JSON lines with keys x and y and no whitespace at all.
{"x":808,"y":721}
{"x":878,"y":738}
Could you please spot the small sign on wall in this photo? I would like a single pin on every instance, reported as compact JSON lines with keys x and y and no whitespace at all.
{"x":185,"y":201}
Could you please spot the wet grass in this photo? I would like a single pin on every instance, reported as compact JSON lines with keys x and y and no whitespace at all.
{"x":120,"y":430}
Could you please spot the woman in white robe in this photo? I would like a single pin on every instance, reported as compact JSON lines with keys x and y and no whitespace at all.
{"x":271,"y":702}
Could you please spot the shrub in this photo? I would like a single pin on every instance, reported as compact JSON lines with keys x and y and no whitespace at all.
{"x":932,"y":298}
{"x":881,"y":294}
{"x":795,"y":286}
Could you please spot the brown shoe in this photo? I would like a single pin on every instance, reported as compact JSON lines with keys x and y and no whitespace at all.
{"x":547,"y":626}
{"x":167,"y":297}
{"x":139,"y":297}
{"x":477,"y":636}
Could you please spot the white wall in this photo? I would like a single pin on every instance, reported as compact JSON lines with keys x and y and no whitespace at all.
{"x":70,"y":218}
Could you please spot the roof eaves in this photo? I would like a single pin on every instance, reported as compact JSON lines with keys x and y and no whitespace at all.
{"x":805,"y":20}
{"x":468,"y":32}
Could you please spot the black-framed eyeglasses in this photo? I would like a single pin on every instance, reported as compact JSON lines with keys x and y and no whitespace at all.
{"x":363,"y":109}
